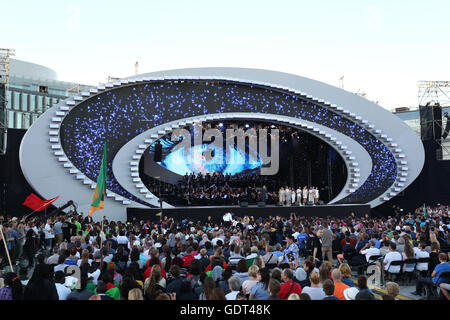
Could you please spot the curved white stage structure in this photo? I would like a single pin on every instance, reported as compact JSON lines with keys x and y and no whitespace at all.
{"x":60,"y":154}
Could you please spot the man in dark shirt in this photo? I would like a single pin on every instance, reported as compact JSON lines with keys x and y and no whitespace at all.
{"x":273,"y":288}
{"x":66,"y":229}
{"x":279,"y":230}
{"x":317,"y":246}
{"x":175,"y":285}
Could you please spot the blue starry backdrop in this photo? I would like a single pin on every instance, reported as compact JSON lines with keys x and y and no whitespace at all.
{"x":120,"y":114}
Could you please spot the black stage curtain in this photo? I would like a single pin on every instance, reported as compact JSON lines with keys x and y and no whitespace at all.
{"x":13,"y":186}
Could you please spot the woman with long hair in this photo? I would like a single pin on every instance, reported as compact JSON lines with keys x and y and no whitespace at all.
{"x":346,"y":273}
{"x":153,"y":285}
{"x":260,"y":291}
{"x":217,"y":294}
{"x":84,"y":258}
{"x":408,"y":253}
{"x":208,"y":287}
{"x":324,"y":273}
{"x":40,"y":287}
{"x":434,"y":256}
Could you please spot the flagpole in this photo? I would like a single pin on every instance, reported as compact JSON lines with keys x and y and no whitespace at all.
{"x":101,"y":244}
{"x":6,"y":248}
{"x":36,"y":211}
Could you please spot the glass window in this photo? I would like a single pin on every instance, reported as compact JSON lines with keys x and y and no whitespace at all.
{"x":24,"y":102}
{"x":46,"y":104}
{"x":8,"y":96}
{"x":26,"y":120}
{"x":16,"y":101}
{"x":11,"y":119}
{"x":40,"y":103}
{"x":18,"y":120}
{"x":32,"y":103}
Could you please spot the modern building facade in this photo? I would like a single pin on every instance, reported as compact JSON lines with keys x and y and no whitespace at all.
{"x":32,"y":90}
{"x":412,"y":117}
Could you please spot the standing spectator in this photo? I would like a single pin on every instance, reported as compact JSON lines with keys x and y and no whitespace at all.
{"x":57,"y":228}
{"x":317,"y":246}
{"x":327,"y":242}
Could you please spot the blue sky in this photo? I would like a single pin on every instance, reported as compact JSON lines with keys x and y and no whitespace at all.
{"x":380,"y":47}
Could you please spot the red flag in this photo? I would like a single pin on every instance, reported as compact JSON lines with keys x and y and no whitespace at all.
{"x":35,"y":203}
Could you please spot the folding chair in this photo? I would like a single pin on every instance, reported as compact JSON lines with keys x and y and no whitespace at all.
{"x":392,"y":264}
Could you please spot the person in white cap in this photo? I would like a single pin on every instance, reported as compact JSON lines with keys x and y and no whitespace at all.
{"x":350,"y":293}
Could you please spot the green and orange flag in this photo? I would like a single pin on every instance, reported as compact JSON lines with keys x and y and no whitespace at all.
{"x":98,"y":198}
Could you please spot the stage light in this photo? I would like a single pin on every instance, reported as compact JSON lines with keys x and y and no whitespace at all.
{"x":272,"y":126}
{"x":247,"y":125}
{"x":221,"y":124}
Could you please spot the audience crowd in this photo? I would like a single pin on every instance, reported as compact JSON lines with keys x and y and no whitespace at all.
{"x":243,"y":258}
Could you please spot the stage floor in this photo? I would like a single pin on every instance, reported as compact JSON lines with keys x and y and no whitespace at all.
{"x":197,"y":213}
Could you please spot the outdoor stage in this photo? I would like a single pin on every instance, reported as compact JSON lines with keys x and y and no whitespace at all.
{"x":216,"y":213}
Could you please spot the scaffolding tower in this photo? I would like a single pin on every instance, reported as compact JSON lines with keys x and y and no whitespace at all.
{"x":5,"y":55}
{"x":432,"y":93}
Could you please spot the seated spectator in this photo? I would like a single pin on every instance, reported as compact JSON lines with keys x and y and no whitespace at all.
{"x":260,"y":290}
{"x":289,"y":286}
{"x":60,"y":283}
{"x":435,"y":279}
{"x":422,"y":267}
{"x":392,"y":289}
{"x":328,"y":289}
{"x":304,"y":296}
{"x":235,"y":286}
{"x":208,"y":287}
{"x":247,"y":285}
{"x":339,"y":286}
{"x":155,"y":284}
{"x":270,"y":258}
{"x":364,"y":292}
{"x":350,"y":293}
{"x":393,"y":255}
{"x":235,"y":256}
{"x":346,"y":274}
{"x":315,"y":291}
{"x":13,"y":289}
{"x":174,"y":286}
{"x":101,"y":292}
{"x":370,"y":250}
{"x":135,"y":294}
{"x":294,"y":296}
{"x":242,"y":271}
{"x":274,"y":289}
